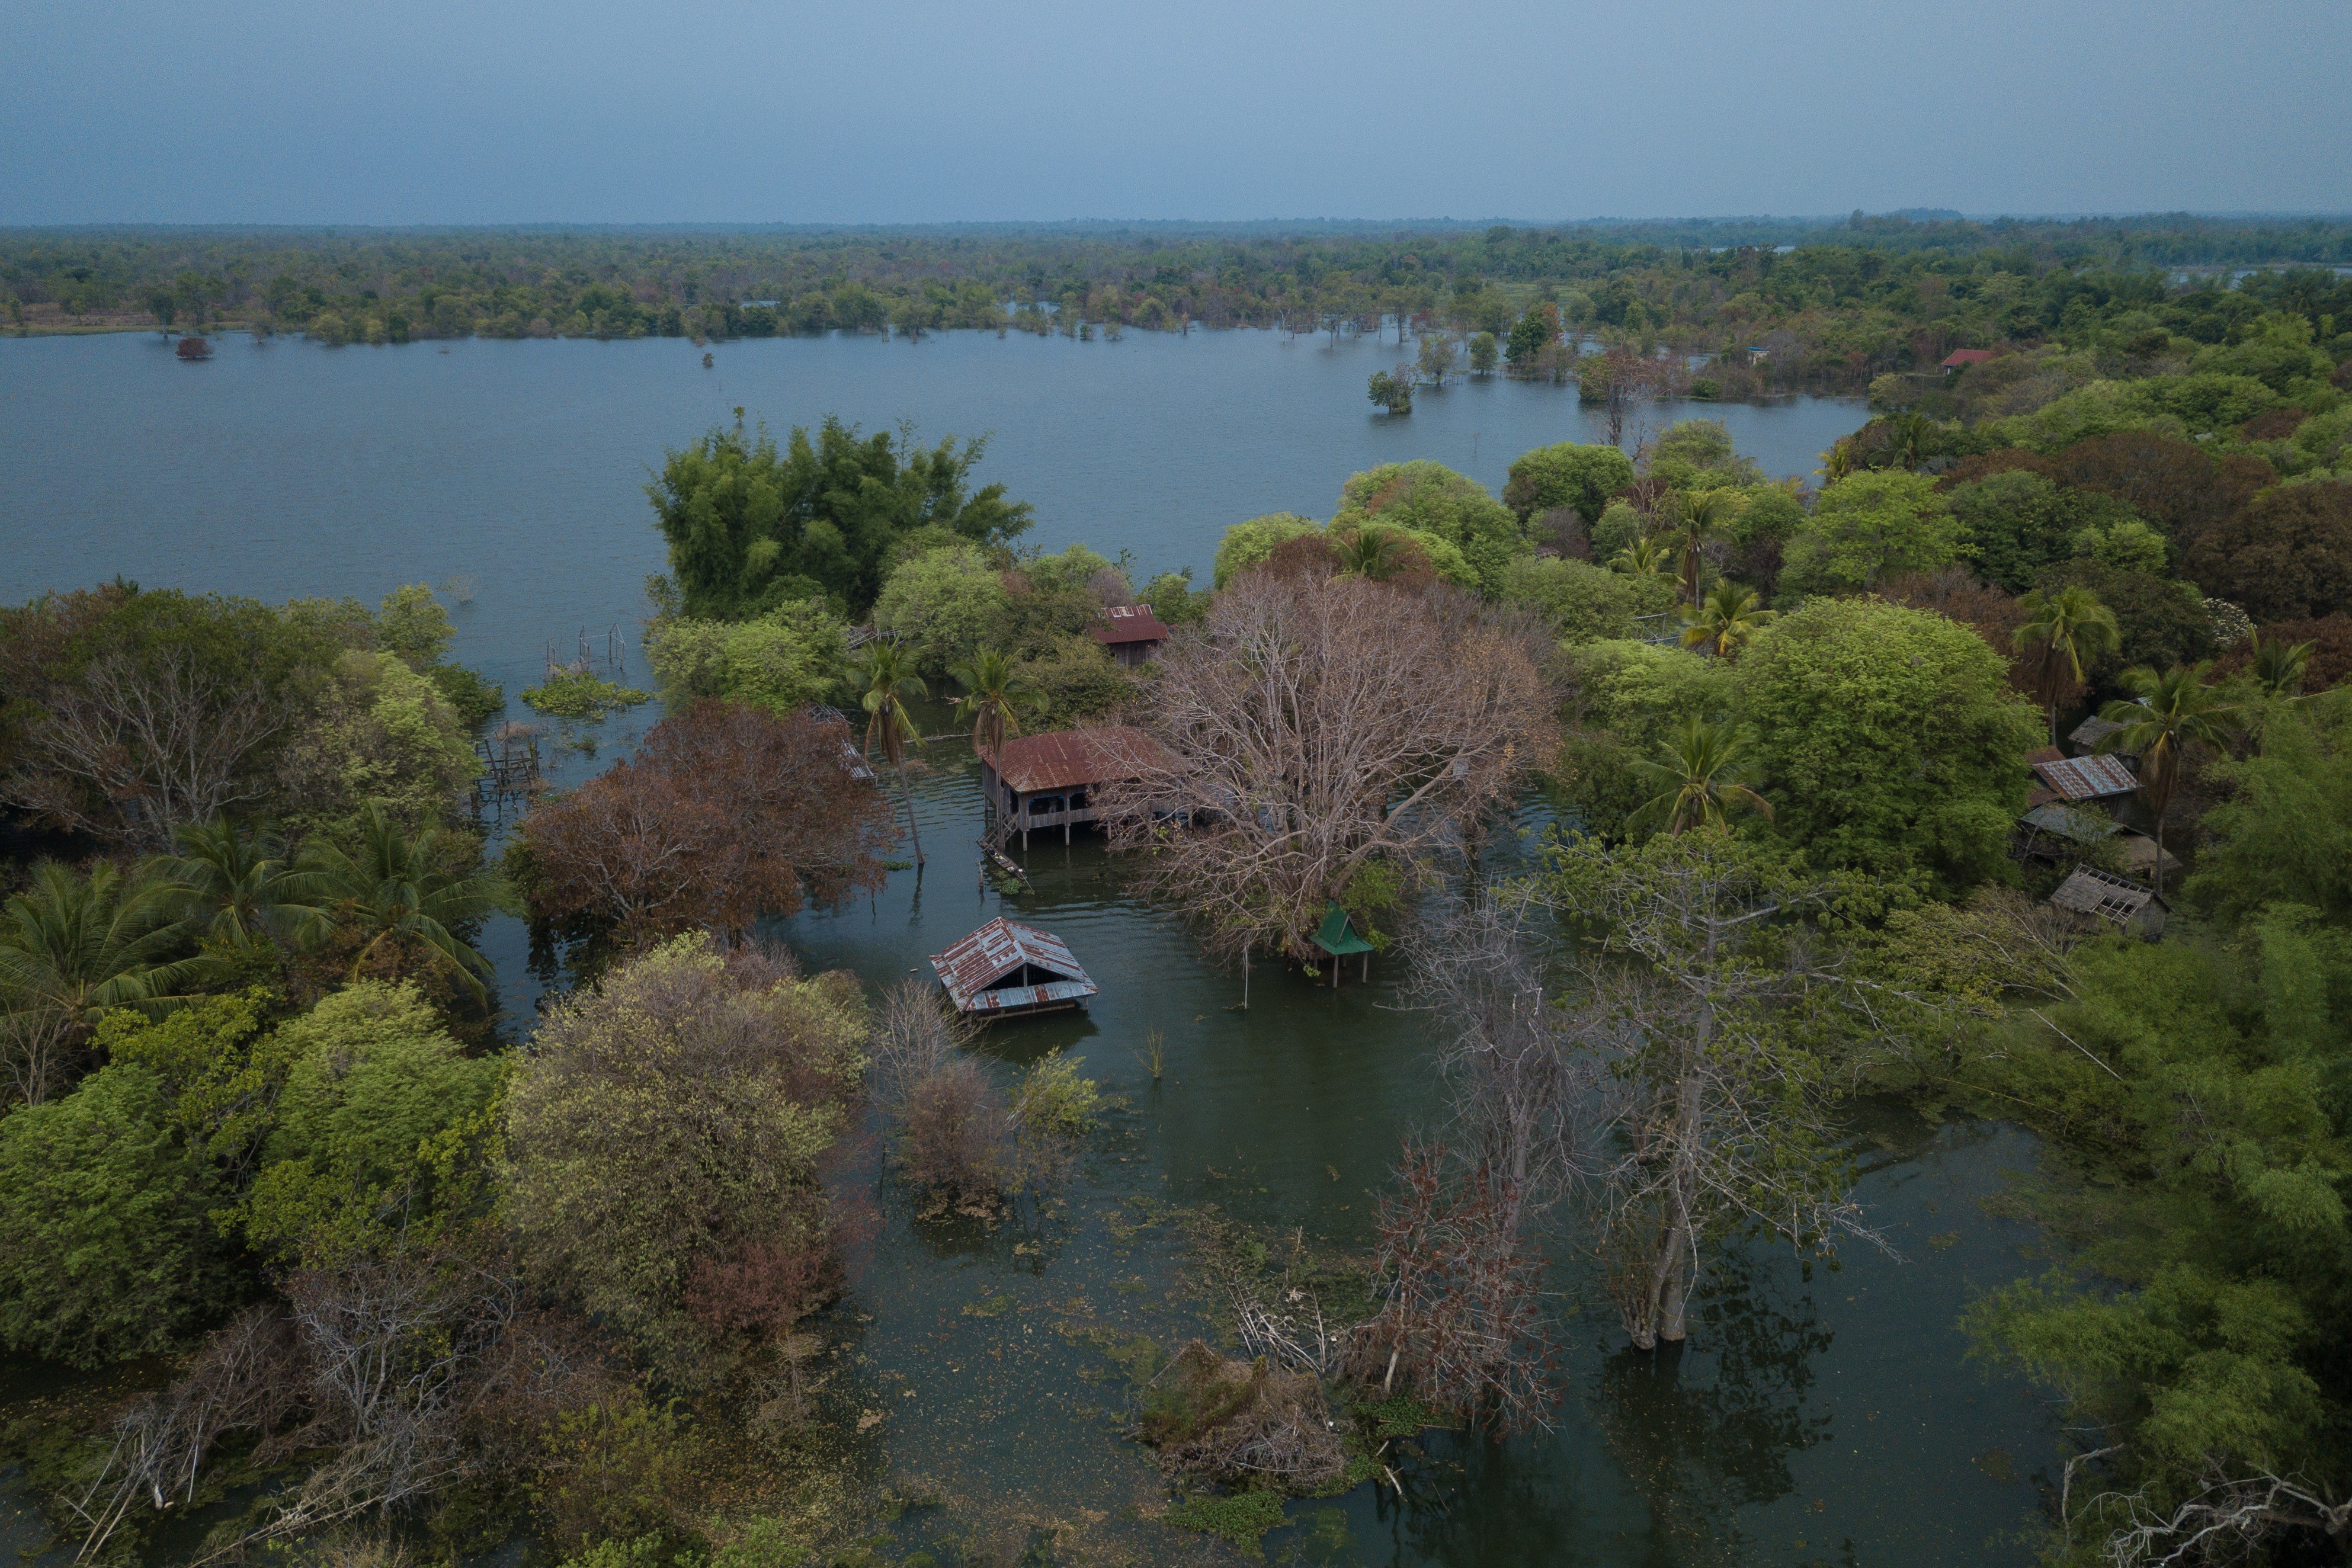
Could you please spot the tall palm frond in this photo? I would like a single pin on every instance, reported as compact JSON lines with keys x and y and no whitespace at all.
{"x":2062,"y":628}
{"x":1705,"y":514}
{"x":887,"y":676}
{"x":2175,"y":716}
{"x":1702,"y":778}
{"x":394,"y":887}
{"x":236,"y":886}
{"x":1729,"y":616}
{"x":79,"y":946}
{"x":995,"y":694}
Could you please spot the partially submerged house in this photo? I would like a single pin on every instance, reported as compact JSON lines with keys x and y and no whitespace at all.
{"x":1130,"y":633}
{"x":1005,"y":969}
{"x":2098,"y":895}
{"x":1048,"y":780}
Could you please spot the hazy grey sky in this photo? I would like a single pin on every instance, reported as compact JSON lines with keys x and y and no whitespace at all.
{"x":901,"y":110}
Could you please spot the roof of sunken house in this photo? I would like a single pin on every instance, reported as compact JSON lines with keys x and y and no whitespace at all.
{"x":1066,"y":758}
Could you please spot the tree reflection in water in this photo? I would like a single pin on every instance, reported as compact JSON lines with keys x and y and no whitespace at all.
{"x":1699,"y":1431}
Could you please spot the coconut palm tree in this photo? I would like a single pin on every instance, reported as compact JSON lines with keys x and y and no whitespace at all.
{"x":995,"y":694}
{"x":1730,"y":615}
{"x":1642,"y":557}
{"x":394,"y":887}
{"x":236,"y":886}
{"x":2175,"y":715}
{"x":1837,"y":462}
{"x":1369,"y":552}
{"x":1906,"y":437}
{"x":2275,"y":682}
{"x":2061,"y":627}
{"x":75,"y":946}
{"x":1701,"y":779}
{"x":1704,"y":516}
{"x":887,"y":678}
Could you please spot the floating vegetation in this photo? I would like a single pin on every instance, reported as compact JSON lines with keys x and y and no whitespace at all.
{"x":575,"y":693}
{"x":1240,"y":1520}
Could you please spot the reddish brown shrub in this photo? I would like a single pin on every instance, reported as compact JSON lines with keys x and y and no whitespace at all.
{"x":727,"y":814}
{"x":2330,"y":637}
{"x":1308,"y":555}
{"x":763,"y":1289}
{"x":2286,"y":556}
{"x":2173,"y":484}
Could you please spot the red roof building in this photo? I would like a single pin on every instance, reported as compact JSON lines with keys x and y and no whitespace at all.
{"x":1961,"y":359}
{"x":1043,"y":780}
{"x":1131,"y":632}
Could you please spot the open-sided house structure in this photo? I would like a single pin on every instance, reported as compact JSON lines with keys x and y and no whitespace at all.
{"x":2097,"y":895}
{"x":1048,"y":780}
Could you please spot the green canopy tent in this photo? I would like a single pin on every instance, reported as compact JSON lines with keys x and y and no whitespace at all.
{"x":1336,"y":935}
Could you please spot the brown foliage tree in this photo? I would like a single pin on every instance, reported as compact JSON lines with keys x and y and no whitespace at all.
{"x":1955,"y":594}
{"x":2173,"y":484}
{"x":727,"y":814}
{"x":1315,"y":727}
{"x":2286,"y":556}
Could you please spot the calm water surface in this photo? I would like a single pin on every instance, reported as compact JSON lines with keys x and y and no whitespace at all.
{"x":1829,"y":1420}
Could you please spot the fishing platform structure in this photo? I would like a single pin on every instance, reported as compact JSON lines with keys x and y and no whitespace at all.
{"x":1006,"y":969}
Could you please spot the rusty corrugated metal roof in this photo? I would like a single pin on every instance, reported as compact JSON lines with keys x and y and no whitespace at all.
{"x":2093,"y":891}
{"x":971,"y":968}
{"x":1064,"y":759}
{"x":2087,"y":778}
{"x":1129,"y":624}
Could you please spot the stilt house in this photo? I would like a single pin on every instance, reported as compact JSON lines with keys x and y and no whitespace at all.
{"x":1048,"y":780}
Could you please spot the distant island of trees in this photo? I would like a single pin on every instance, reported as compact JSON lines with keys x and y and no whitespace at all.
{"x":1830,"y":304}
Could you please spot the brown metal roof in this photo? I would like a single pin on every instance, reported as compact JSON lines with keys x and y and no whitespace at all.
{"x":1129,"y":624}
{"x":972,"y":969}
{"x":1064,"y":759}
{"x":1967,"y":357}
{"x":2087,"y":778}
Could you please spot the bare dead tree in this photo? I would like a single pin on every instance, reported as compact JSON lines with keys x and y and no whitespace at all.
{"x":1312,"y":726}
{"x":37,"y":1044}
{"x":2228,"y":1521}
{"x":130,"y":747}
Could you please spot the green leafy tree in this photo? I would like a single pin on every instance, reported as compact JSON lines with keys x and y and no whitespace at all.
{"x":1891,"y":740}
{"x":1701,"y":779}
{"x":2061,"y":626}
{"x":1246,"y":545}
{"x":2282,"y":833}
{"x":1568,"y":473}
{"x":1626,"y":701}
{"x":412,"y":626}
{"x":1393,"y":390}
{"x":1530,"y":335}
{"x":2174,"y":716}
{"x":1867,"y":528}
{"x":394,"y":893}
{"x":107,"y":1247}
{"x":383,"y":1131}
{"x":1431,"y":498}
{"x":1724,"y":622}
{"x":796,"y":655}
{"x":1698,"y":454}
{"x":946,"y":603}
{"x":885,"y":678}
{"x":995,"y":695}
{"x":1483,"y":353}
{"x":750,"y":528}
{"x":1584,"y":602}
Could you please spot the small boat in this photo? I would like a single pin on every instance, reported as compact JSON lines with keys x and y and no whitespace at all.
{"x":1005,"y":969}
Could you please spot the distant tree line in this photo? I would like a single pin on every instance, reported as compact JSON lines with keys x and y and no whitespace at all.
{"x":1827,"y":303}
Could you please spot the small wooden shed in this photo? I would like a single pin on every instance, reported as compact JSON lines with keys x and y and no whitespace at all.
{"x":2098,"y":895}
{"x":1006,"y":969}
{"x":1046,"y":780}
{"x":1336,"y":935}
{"x":1132,"y":634}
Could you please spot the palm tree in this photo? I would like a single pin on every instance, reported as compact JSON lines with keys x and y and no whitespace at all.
{"x":237,"y":885}
{"x":888,"y":678}
{"x":1837,"y":462}
{"x":1369,"y":552}
{"x":75,"y":946}
{"x":1642,"y":557}
{"x":2277,"y":678}
{"x":2063,"y":625}
{"x":1730,"y":615}
{"x":994,"y":692}
{"x":1906,"y":434}
{"x":1704,"y":513}
{"x":1701,"y":779}
{"x":395,"y":887}
{"x":2175,"y":714}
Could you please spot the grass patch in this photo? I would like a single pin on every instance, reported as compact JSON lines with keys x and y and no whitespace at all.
{"x":1241,"y":1520}
{"x":573,"y":694}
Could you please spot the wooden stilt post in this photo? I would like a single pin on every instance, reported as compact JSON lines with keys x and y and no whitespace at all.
{"x":1368,"y":969}
{"x":1245,"y":979}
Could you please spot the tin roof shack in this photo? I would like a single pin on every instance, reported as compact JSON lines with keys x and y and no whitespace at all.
{"x":2087,"y":736}
{"x":1047,"y":781}
{"x":1131,"y":632}
{"x":2075,"y":778}
{"x":1005,"y":969}
{"x":2136,"y":852}
{"x":2126,"y":906}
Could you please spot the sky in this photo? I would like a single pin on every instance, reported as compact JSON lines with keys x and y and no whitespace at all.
{"x":496,"y":111}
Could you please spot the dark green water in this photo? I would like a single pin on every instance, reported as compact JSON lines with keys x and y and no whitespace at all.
{"x":1832,"y":1421}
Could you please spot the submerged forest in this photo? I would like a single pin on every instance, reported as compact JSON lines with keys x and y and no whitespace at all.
{"x":2000,"y":773}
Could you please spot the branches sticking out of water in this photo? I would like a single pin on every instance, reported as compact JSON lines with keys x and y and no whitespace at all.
{"x":1238,"y":1422}
{"x":2231,"y":1521}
